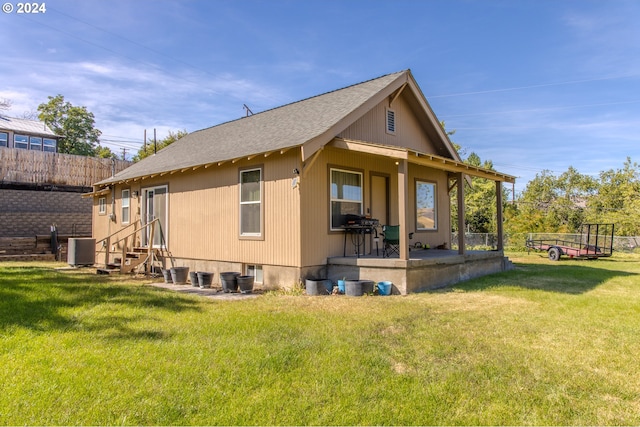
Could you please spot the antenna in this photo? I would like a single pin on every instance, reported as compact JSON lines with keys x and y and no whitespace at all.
{"x":244,"y":106}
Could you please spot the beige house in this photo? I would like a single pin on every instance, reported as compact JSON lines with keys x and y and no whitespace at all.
{"x":269,"y":194}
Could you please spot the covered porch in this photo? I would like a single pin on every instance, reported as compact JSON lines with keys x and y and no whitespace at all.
{"x":414,"y":270}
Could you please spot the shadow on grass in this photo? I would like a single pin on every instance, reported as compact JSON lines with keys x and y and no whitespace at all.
{"x":43,"y":299}
{"x":563,"y":276}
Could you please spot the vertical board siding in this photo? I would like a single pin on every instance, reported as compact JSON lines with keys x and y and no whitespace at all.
{"x":318,"y":242}
{"x":372,"y":128}
{"x":203,"y":218}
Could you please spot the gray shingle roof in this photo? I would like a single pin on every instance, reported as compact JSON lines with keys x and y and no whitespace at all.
{"x":284,"y":127}
{"x":32,"y":127}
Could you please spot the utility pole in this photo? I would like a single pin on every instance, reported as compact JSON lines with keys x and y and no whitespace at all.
{"x":155,"y":148}
{"x":124,"y":153}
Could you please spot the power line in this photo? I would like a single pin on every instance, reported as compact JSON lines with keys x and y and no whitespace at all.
{"x":534,"y":110}
{"x":481,"y":92}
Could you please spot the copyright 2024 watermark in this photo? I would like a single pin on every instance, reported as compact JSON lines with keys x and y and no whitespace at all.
{"x":24,"y":8}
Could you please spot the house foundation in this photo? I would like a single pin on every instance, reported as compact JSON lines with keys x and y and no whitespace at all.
{"x":423,"y":271}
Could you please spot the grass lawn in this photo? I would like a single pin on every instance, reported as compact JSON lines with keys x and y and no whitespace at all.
{"x":545,"y":344}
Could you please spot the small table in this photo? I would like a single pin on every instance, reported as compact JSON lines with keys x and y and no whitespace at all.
{"x":357,"y":233}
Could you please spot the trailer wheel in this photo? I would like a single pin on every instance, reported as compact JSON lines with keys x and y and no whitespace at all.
{"x":554,"y":254}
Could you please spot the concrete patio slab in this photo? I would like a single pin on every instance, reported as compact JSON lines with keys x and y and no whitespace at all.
{"x":211,"y":293}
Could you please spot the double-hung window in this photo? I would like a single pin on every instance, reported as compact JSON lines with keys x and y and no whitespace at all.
{"x":125,"y":206}
{"x":49,"y":145}
{"x":346,"y":196}
{"x":102,"y":205}
{"x":21,"y":141}
{"x":251,"y":202}
{"x":35,"y":143}
{"x":4,"y":139}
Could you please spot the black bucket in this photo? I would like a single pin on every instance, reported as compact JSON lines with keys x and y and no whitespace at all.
{"x":193,"y":276}
{"x":245,"y":283}
{"x":179,"y":275}
{"x":367,"y":286}
{"x":318,"y":287}
{"x":353,"y":288}
{"x":229,"y":281}
{"x":205,"y":279}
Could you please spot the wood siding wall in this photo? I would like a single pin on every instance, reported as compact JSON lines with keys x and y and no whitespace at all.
{"x":318,"y":242}
{"x":204,"y":204}
{"x":372,"y":128}
{"x":203,"y":211}
{"x":38,"y":167}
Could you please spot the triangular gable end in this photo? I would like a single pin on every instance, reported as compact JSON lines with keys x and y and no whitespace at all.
{"x":415,"y":113}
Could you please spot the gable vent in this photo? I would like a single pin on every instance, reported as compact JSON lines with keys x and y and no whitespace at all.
{"x":391,"y":121}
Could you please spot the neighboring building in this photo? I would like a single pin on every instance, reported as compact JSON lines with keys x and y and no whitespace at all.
{"x":39,"y":189}
{"x":269,"y":194}
{"x":27,"y":134}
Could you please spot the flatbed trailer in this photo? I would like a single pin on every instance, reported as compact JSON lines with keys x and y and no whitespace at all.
{"x":595,"y":241}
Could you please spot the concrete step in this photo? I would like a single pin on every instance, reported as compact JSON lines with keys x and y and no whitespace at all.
{"x":507,"y":264}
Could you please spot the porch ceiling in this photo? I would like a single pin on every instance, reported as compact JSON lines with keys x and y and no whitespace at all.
{"x":423,"y":159}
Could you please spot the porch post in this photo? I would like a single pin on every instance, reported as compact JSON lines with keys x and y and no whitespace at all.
{"x":499,"y":215}
{"x":403,"y":199}
{"x":460,"y":183}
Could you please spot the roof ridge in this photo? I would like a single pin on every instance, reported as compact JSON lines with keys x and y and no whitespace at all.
{"x":302,"y":100}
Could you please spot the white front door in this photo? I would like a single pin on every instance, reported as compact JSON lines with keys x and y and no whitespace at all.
{"x":156,"y":206}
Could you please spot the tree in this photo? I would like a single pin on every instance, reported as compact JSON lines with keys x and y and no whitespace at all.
{"x":76,"y":126}
{"x":150,"y":149}
{"x":105,"y":153}
{"x":553,"y":204}
{"x":617,"y":199}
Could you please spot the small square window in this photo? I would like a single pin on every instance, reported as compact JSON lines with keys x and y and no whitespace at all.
{"x":256,"y":272}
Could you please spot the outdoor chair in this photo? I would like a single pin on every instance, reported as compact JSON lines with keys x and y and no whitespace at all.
{"x":391,"y":240}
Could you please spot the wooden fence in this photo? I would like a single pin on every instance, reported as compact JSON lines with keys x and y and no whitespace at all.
{"x":38,"y":167}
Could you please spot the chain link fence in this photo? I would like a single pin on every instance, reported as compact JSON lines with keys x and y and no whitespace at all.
{"x":488,"y":241}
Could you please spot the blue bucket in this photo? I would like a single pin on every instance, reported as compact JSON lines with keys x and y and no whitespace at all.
{"x":384,"y":288}
{"x":341,"y":286}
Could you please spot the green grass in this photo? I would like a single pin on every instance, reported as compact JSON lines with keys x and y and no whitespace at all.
{"x":547,"y":343}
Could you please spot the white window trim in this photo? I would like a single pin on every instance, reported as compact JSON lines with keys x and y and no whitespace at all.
{"x":21,"y":142}
{"x":331,"y":199}
{"x":5,"y":139}
{"x":258,"y":202}
{"x":37,"y":144}
{"x":144,"y":216}
{"x":256,"y":271}
{"x":127,"y":206}
{"x":102,"y":206}
{"x":49,"y":145}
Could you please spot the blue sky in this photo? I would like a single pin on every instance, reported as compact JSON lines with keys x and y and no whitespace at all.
{"x":528,"y":84}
